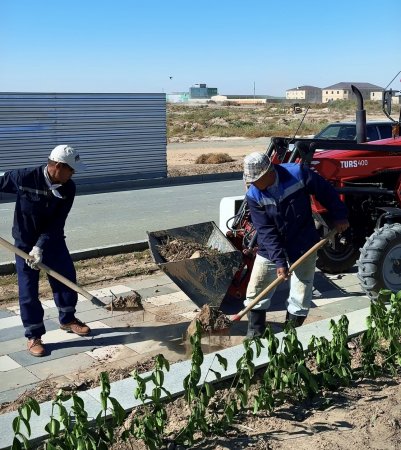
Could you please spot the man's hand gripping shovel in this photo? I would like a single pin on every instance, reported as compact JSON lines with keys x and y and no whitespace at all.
{"x":94,"y":300}
{"x":279,"y":280}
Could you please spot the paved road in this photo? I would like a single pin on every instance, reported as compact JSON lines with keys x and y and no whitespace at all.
{"x":112,"y":218}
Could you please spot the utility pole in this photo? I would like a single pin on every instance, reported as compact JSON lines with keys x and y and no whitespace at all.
{"x":254,"y":90}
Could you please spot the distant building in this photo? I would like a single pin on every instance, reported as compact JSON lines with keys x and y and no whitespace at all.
{"x":246,"y":99}
{"x":201,"y":91}
{"x":343,"y":91}
{"x":310,"y":94}
{"x":377,"y":96}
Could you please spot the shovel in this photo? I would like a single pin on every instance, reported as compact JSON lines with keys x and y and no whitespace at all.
{"x":94,"y":300}
{"x":279,"y":280}
{"x":236,"y":317}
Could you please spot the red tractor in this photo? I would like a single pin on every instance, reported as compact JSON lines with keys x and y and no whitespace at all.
{"x":368,"y":177}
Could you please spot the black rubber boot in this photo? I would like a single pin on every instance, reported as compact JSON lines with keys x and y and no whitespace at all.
{"x":256,"y":323}
{"x":297,"y":321}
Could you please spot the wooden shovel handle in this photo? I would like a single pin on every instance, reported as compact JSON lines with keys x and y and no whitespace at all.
{"x":49,"y":271}
{"x":280,"y":279}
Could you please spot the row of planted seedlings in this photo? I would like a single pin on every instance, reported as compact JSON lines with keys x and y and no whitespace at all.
{"x":291,"y":373}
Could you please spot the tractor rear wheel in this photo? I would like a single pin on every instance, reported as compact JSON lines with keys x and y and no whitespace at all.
{"x":379,"y":265}
{"x":337,"y":258}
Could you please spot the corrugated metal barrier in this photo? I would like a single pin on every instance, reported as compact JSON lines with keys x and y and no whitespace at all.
{"x":119,"y":136}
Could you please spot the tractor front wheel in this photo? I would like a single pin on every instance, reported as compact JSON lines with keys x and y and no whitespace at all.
{"x":337,"y":256}
{"x":379,"y":264}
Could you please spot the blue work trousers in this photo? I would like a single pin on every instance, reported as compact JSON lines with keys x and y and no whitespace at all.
{"x":58,"y":258}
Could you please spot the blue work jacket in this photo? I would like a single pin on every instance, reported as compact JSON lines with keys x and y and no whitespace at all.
{"x":39,"y":215}
{"x":284,"y":222}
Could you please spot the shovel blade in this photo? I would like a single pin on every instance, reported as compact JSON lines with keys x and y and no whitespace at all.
{"x":204,"y":279}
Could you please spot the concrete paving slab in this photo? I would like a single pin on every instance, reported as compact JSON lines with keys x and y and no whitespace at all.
{"x":149,"y":281}
{"x":12,"y":346}
{"x":154,"y":291}
{"x":327,"y":298}
{"x":55,"y":351}
{"x":179,"y":308}
{"x":131,"y":319}
{"x":105,"y":353}
{"x":118,"y":289}
{"x":9,"y":322}
{"x":150,"y":345}
{"x":59,"y":366}
{"x":7,"y":363}
{"x":97,"y":314}
{"x":58,"y":336}
{"x":113,"y":336}
{"x":166,"y":299}
{"x":14,"y":393}
{"x":16,"y":378}
{"x":18,"y":331}
{"x":345,"y":306}
{"x":4,"y":313}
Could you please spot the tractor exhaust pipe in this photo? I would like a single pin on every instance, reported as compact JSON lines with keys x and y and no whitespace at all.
{"x":360,"y":117}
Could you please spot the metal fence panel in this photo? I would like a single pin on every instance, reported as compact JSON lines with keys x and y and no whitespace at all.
{"x":119,"y":136}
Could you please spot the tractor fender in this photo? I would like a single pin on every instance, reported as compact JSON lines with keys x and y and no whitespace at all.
{"x":389,"y":215}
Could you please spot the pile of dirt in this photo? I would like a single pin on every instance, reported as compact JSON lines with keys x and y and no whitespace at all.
{"x":126,"y":303}
{"x":211,"y":320}
{"x":176,"y":249}
{"x":213,"y":158}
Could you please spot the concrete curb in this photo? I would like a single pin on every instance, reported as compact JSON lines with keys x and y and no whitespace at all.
{"x":8,"y":267}
{"x":122,"y":390}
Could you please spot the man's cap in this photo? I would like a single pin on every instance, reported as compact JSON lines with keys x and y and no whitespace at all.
{"x":255,"y":165}
{"x":67,"y":155}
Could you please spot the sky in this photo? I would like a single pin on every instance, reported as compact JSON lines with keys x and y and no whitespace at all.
{"x":240,"y":47}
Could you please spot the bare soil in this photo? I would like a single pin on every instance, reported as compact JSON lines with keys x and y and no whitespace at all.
{"x":132,"y":302}
{"x":364,"y":415}
{"x":211,"y":320}
{"x":177,"y":249}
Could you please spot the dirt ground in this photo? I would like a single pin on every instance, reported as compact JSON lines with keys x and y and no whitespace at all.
{"x":366,"y":415}
{"x":181,"y":156}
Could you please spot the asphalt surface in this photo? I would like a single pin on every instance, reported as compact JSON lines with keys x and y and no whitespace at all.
{"x":112,"y":218}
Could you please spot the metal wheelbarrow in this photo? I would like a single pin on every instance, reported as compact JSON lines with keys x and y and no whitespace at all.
{"x":204,"y":279}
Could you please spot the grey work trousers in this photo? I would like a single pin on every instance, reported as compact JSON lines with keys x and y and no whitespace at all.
{"x":299,"y":300}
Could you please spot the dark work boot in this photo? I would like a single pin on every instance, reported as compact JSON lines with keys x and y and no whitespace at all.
{"x":256,"y":323}
{"x":297,"y":321}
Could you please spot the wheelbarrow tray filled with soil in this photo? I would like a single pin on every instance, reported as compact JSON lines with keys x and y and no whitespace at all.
{"x":198,"y":258}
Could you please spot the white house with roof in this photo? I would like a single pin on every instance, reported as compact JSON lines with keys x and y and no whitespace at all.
{"x":343,"y":91}
{"x":310,"y":94}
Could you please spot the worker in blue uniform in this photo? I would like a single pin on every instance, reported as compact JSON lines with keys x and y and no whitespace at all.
{"x":45,"y":195}
{"x":279,"y":203}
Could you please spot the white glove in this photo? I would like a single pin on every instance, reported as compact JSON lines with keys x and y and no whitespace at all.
{"x":37,"y":255}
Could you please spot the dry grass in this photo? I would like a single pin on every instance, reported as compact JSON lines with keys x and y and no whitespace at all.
{"x":188,"y":122}
{"x":213,"y":158}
